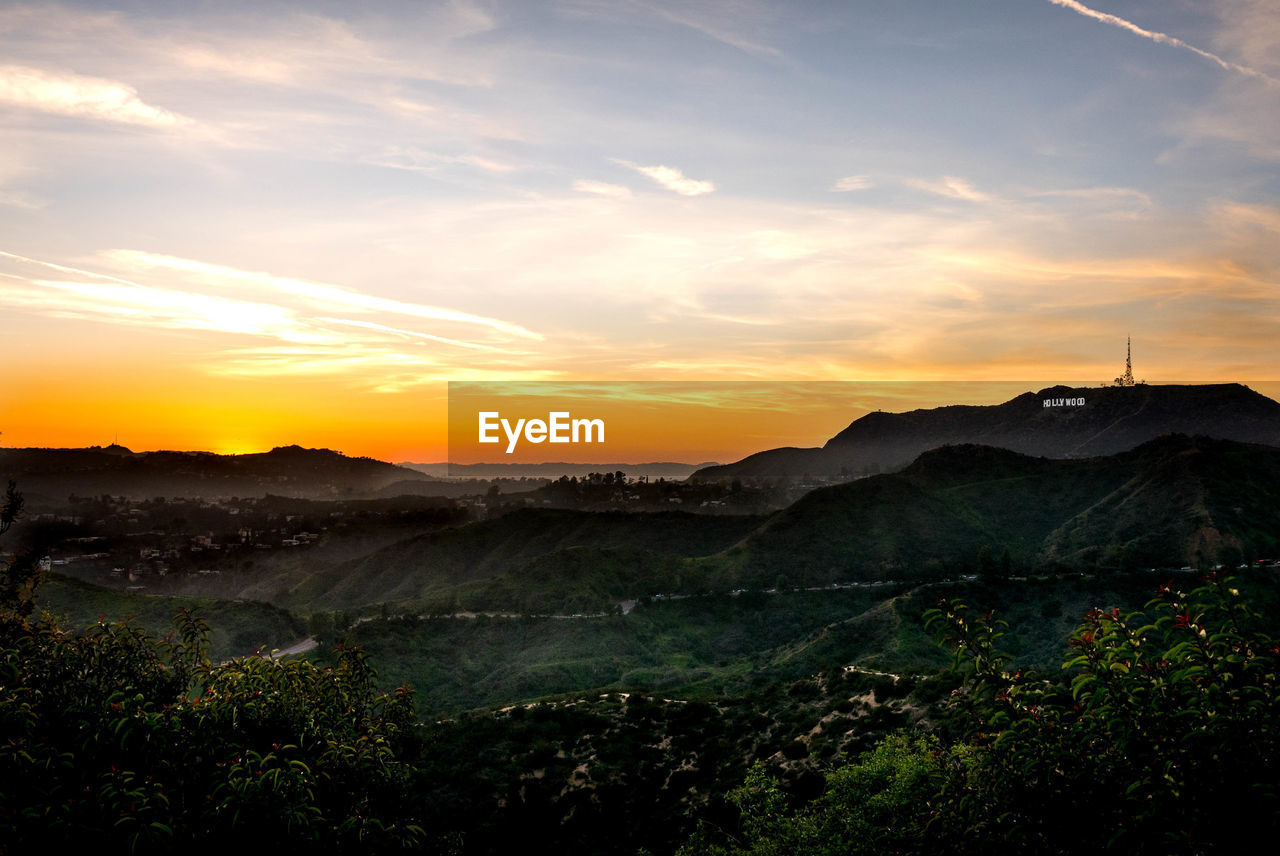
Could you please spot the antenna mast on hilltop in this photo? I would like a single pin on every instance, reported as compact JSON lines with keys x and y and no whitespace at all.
{"x":1126,"y":379}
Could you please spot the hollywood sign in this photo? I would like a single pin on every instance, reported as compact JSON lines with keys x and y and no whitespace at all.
{"x":1064,"y":402}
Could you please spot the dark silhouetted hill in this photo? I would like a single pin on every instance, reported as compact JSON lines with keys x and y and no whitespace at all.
{"x":555,"y":469}
{"x":1111,"y":420}
{"x":51,"y":475}
{"x":1172,"y":501}
{"x":534,"y":548}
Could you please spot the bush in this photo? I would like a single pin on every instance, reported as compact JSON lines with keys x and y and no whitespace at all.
{"x":879,"y":804}
{"x":1160,"y":735}
{"x":1163,"y":733}
{"x":116,"y":739}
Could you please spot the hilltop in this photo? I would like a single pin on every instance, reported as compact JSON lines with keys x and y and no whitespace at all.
{"x":284,"y":471}
{"x":1081,"y":422}
{"x":1172,"y":501}
{"x":555,"y":469}
{"x":540,"y":560}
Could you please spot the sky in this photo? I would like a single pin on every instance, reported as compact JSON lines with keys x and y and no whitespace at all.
{"x":229,"y":226}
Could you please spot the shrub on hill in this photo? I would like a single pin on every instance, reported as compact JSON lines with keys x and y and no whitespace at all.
{"x":1162,"y":735}
{"x":127,"y":742}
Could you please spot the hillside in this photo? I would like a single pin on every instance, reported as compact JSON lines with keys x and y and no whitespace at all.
{"x":237,"y":628}
{"x":555,"y":469}
{"x":1110,"y":420}
{"x":539,"y":549}
{"x":1171,"y":502}
{"x":957,"y":510}
{"x":49,"y":476}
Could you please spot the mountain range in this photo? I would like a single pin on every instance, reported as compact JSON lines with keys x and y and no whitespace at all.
{"x":1172,"y":502}
{"x":284,"y":471}
{"x":1056,"y":422}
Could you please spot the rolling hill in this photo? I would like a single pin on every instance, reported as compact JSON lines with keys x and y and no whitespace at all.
{"x":48,"y":476}
{"x":568,"y":552}
{"x":1080,"y":423}
{"x":1173,"y":501}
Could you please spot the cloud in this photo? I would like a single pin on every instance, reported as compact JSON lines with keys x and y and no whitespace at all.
{"x":1240,"y":220}
{"x":1250,"y":29}
{"x":409,"y":334}
{"x":1099,"y":194}
{"x":950,"y":187}
{"x":160,"y":308}
{"x":671,"y":178}
{"x":388,"y":369}
{"x":315,"y":293}
{"x":600,"y":188}
{"x":418,"y":160}
{"x":712,"y":20}
{"x":20,"y":199}
{"x":279,"y":319}
{"x":1113,"y":203}
{"x":740,"y":24}
{"x":851,"y":182}
{"x":1162,"y":38}
{"x":298,"y":80}
{"x":66,"y":94}
{"x":168,"y":307}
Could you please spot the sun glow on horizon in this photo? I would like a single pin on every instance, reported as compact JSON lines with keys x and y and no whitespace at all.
{"x":232,"y":238}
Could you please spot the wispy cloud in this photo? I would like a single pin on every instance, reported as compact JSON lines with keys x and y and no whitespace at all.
{"x":1232,"y":216}
{"x":390,"y":370}
{"x":716,"y":21}
{"x":601,"y":188}
{"x":418,"y":160}
{"x":670,"y":178}
{"x":1162,"y":38}
{"x":316,"y":293}
{"x":740,"y":24}
{"x":851,"y":182}
{"x":408,"y":334}
{"x":20,"y":199}
{"x":280,"y":318}
{"x":120,"y":301}
{"x":1098,"y":194}
{"x":950,"y":187}
{"x":67,"y":94}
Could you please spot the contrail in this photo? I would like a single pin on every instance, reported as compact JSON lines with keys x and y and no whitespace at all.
{"x":1162,"y":38}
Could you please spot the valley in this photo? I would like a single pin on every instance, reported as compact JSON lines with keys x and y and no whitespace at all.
{"x":585,"y":652}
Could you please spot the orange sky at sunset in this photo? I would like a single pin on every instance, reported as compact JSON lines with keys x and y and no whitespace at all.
{"x":229,"y":229}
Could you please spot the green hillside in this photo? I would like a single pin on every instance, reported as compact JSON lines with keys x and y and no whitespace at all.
{"x":429,"y":570}
{"x":238,"y":628}
{"x":716,"y":645}
{"x":1172,"y":502}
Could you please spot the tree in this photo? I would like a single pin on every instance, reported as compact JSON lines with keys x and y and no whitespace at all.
{"x":12,"y":508}
{"x":125,"y":742}
{"x":880,"y":804}
{"x":1160,"y":735}
{"x":20,"y":578}
{"x":1164,"y":732}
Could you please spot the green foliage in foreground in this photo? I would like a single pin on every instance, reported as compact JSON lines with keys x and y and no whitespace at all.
{"x":692,"y":647}
{"x":116,"y":739}
{"x":880,"y":804}
{"x":1162,"y":736}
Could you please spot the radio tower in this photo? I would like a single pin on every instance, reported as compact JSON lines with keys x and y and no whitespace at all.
{"x":1127,"y":378}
